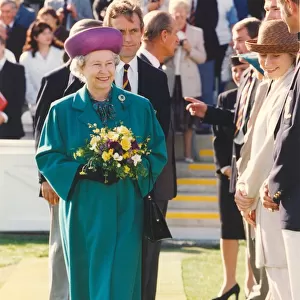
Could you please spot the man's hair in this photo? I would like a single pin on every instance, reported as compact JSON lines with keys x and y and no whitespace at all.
{"x":251,"y":24}
{"x":124,"y":8}
{"x":11,"y":2}
{"x":156,"y":22}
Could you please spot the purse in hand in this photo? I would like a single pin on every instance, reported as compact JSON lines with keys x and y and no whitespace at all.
{"x":155,"y":225}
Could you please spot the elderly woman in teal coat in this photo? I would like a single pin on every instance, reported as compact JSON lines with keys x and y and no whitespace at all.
{"x":101,"y":222}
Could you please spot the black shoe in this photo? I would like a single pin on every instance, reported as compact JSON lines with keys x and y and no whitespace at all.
{"x":234,"y":290}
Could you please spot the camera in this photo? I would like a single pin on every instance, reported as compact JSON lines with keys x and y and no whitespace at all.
{"x":181,"y":42}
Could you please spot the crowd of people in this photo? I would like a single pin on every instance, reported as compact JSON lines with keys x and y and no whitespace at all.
{"x":104,"y":58}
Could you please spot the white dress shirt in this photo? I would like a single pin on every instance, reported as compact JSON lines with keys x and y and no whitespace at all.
{"x":133,"y":75}
{"x":9,"y":56}
{"x":36,"y":68}
{"x":153,"y":59}
{"x":2,"y":62}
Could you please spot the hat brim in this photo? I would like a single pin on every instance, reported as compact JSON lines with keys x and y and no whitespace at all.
{"x":253,"y":46}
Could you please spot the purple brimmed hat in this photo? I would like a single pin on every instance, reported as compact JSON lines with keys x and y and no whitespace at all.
{"x":94,"y":39}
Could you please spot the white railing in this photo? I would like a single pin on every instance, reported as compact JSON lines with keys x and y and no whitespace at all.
{"x":21,"y":209}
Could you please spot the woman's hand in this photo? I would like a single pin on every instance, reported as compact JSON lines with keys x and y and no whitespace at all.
{"x":250,"y":217}
{"x":187,"y":46}
{"x":196,"y":107}
{"x":242,"y":201}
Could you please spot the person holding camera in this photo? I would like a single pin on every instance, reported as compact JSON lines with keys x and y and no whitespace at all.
{"x":182,"y":71}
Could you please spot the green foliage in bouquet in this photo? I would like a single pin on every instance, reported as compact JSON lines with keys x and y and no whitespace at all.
{"x":114,"y":150}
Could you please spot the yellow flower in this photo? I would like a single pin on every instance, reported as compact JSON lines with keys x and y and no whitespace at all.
{"x":112,"y":136}
{"x":126,"y":169}
{"x":125,"y":143}
{"x":102,"y":132}
{"x":93,"y":142}
{"x":111,"y":152}
{"x":106,"y":156}
{"x":125,"y":155}
{"x":123,"y":130}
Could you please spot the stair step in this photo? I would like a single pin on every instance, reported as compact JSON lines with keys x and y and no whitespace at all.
{"x":196,"y":198}
{"x":184,"y":170}
{"x":194,"y":202}
{"x":194,"y":233}
{"x":206,"y":152}
{"x":193,"y":218}
{"x":197,"y":181}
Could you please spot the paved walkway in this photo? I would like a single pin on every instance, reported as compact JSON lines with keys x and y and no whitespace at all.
{"x":29,"y":280}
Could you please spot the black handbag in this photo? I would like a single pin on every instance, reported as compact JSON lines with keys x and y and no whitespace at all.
{"x":155,"y":225}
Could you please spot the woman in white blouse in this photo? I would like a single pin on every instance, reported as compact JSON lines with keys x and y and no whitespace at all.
{"x":277,"y":50}
{"x":41,"y":55}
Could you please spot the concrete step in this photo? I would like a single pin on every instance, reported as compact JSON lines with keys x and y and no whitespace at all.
{"x":192,"y":218}
{"x":194,"y":202}
{"x":194,"y":233}
{"x":197,"y":185}
{"x":184,"y":169}
{"x":206,"y":155}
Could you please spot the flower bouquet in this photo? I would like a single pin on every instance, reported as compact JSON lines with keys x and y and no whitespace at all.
{"x":115,"y":151}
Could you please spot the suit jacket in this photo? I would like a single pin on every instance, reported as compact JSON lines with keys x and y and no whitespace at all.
{"x":285,"y":173}
{"x":12,"y":86}
{"x":16,"y":40}
{"x":54,"y":86}
{"x":189,"y":72}
{"x":25,"y":16}
{"x":166,"y":185}
{"x":223,"y":135}
{"x":208,"y":22}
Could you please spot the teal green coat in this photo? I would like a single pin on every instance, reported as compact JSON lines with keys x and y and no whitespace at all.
{"x":101,"y":225}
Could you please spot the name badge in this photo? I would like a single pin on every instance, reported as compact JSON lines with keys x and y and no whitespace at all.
{"x":288,"y":106}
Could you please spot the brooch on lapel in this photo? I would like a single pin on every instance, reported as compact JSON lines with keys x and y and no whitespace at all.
{"x":122,"y":98}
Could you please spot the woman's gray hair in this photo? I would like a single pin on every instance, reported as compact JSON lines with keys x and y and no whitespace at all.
{"x":78,"y":63}
{"x":173,"y":4}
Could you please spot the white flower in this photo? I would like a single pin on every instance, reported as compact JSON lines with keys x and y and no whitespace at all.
{"x":117,"y":157}
{"x":118,"y":165}
{"x":136,"y":159}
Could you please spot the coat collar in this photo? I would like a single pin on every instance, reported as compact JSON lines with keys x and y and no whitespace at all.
{"x":120,"y":100}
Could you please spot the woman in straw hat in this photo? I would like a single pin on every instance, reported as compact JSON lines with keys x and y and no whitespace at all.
{"x":277,"y":49}
{"x":101,"y":217}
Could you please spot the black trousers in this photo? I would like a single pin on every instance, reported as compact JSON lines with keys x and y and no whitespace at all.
{"x":150,"y":259}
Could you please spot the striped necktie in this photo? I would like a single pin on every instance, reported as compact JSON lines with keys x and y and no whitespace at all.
{"x":192,"y":17}
{"x":126,"y":83}
{"x":243,"y":103}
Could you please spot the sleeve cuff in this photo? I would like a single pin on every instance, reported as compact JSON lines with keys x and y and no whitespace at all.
{"x":223,"y":170}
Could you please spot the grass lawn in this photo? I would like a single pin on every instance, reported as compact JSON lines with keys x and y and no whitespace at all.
{"x":15,"y":247}
{"x":202,"y":273}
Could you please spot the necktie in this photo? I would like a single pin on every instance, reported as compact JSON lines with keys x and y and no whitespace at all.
{"x":8,"y":30}
{"x":243,"y":103}
{"x":126,"y":83}
{"x":192,"y":17}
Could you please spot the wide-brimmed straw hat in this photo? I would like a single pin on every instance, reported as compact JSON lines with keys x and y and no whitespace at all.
{"x":93,"y":39}
{"x":274,"y":37}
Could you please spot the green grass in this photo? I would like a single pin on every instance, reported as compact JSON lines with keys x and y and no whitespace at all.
{"x":14,"y":247}
{"x":203,"y":275}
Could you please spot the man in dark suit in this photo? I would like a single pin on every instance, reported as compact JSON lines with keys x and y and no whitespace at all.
{"x":16,"y":34}
{"x":284,"y":187}
{"x":242,"y":31}
{"x":12,"y":86}
{"x":55,"y":85}
{"x":140,"y":77}
{"x":154,"y":50}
